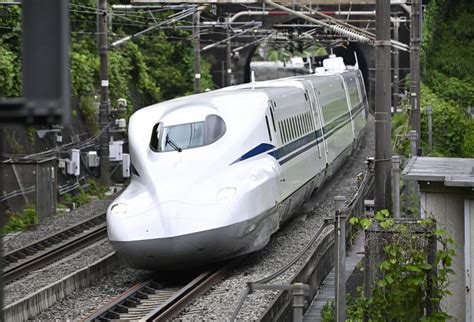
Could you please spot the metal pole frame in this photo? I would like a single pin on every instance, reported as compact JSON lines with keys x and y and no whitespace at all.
{"x":104,"y":107}
{"x":415,"y":40}
{"x":197,"y":51}
{"x":383,"y":146}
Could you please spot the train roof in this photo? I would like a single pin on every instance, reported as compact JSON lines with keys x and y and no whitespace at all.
{"x":262,"y":90}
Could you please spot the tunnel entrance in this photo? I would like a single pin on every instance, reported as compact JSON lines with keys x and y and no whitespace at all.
{"x":277,"y":59}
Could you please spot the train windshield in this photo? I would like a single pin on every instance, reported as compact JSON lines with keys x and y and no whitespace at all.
{"x":187,"y":136}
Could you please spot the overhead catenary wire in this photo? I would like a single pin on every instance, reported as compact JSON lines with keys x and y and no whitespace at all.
{"x":171,"y":19}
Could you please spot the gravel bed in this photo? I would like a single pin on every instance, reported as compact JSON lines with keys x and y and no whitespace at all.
{"x":55,"y":224}
{"x":54,"y":272}
{"x":80,"y":304}
{"x":220,"y":301}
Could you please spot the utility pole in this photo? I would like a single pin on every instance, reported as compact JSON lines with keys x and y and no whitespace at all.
{"x":197,"y":51}
{"x":396,"y":68}
{"x":102,"y":45}
{"x":383,"y":145}
{"x":415,"y":39}
{"x":228,"y":53}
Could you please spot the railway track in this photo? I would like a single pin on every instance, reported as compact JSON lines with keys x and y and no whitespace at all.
{"x":20,"y":262}
{"x":152,"y":301}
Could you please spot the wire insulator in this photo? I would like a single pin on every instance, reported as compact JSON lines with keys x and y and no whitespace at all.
{"x":350,"y":33}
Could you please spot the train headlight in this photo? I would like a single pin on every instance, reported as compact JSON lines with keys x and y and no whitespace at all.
{"x":225,"y":194}
{"x":119,"y":209}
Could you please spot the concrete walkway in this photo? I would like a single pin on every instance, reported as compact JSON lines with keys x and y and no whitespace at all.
{"x":327,"y":291}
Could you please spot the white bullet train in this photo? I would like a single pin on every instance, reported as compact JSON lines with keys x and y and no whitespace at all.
{"x":216,"y":174}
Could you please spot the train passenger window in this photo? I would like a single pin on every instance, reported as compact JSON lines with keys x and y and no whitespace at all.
{"x":295,"y":120}
{"x":306,"y":122}
{"x":290,"y":128}
{"x":300,"y":117}
{"x":187,"y":136}
{"x":298,"y":125}
{"x":301,"y":125}
{"x":281,"y":132}
{"x":332,"y":99}
{"x":268,"y":128}
{"x":273,"y":118}
{"x":353,"y":91}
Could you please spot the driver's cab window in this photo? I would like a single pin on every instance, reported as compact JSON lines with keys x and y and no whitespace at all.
{"x":187,"y":136}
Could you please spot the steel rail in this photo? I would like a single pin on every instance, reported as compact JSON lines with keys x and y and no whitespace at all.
{"x":193,"y":290}
{"x":20,"y":262}
{"x":150,"y":301}
{"x":128,"y":295}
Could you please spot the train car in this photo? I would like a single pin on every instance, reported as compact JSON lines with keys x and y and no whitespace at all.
{"x":214,"y":175}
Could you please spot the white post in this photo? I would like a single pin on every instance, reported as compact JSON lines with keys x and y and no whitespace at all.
{"x":467,"y":257}
{"x":396,"y":186}
{"x":340,"y":231}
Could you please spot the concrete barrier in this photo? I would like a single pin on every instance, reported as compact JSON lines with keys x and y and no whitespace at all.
{"x":44,"y":298}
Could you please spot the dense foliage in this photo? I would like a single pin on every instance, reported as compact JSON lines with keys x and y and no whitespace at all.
{"x":448,"y":55}
{"x":453,"y":130}
{"x":448,"y":50}
{"x":154,"y":67}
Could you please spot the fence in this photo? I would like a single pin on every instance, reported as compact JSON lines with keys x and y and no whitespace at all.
{"x":315,"y":268}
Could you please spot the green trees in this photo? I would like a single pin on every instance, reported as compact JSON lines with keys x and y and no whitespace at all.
{"x":10,"y":68}
{"x":154,"y":67}
{"x":447,"y":56}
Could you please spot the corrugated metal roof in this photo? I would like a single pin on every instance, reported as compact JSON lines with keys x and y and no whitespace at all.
{"x":454,"y":172}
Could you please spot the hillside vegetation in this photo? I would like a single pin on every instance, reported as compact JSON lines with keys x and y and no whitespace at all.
{"x":154,"y":67}
{"x":448,"y":76}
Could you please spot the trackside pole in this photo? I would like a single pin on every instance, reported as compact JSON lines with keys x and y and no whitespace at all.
{"x":340,"y":231}
{"x":197,"y":51}
{"x":430,"y":127}
{"x":383,"y":146}
{"x":298,"y":301}
{"x":396,"y":186}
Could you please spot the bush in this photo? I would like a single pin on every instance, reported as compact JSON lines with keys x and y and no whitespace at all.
{"x":411,"y":286}
{"x":22,"y":221}
{"x":96,"y":190}
{"x":451,"y":126}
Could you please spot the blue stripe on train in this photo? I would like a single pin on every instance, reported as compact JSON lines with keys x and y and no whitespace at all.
{"x":259,"y":149}
{"x":313,"y":137}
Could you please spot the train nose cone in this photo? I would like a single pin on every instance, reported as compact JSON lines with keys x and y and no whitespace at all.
{"x":175,"y":235}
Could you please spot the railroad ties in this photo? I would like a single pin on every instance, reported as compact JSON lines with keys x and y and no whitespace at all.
{"x":19,"y":263}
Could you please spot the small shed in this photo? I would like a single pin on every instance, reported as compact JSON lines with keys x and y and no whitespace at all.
{"x":30,"y":182}
{"x":447,"y":195}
